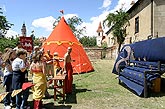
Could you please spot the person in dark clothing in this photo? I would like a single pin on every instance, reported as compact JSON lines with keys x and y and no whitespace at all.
{"x":19,"y":69}
{"x":8,"y":58}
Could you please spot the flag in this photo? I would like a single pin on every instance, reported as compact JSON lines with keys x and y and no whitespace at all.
{"x":27,"y":85}
{"x":15,"y":92}
{"x":3,"y":95}
{"x":62,"y":11}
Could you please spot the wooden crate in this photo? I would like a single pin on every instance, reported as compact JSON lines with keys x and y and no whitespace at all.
{"x":156,"y":85}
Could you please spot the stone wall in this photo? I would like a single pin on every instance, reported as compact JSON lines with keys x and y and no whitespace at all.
{"x":100,"y":53}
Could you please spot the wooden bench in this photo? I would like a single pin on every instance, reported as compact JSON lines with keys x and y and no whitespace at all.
{"x":139,"y":76}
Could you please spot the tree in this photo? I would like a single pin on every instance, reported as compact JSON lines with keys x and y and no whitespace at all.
{"x":73,"y":23}
{"x":37,"y":42}
{"x":4,"y":24}
{"x":87,"y":41}
{"x":118,"y":22}
{"x":8,"y":43}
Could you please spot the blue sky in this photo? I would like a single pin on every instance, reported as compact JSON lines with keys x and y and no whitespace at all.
{"x":39,"y":15}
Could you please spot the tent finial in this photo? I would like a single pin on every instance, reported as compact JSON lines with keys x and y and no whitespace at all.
{"x":62,"y":12}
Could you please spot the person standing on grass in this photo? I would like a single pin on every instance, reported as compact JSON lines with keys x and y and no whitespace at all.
{"x":26,"y":91}
{"x":37,"y":68}
{"x":68,"y":70}
{"x":19,"y":69}
{"x":56,"y":63}
{"x":49,"y":63}
{"x":8,"y":58}
{"x":48,"y":58}
{"x":57,"y":67}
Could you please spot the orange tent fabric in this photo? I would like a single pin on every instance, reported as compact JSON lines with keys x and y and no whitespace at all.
{"x":60,"y":39}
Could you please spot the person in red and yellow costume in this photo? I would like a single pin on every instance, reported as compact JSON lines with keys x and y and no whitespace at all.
{"x":56,"y":63}
{"x":37,"y":68}
{"x":68,"y":70}
{"x":57,"y":68}
{"x":49,"y":63}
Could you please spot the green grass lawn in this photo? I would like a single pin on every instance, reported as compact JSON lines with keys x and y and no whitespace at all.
{"x":100,"y":90}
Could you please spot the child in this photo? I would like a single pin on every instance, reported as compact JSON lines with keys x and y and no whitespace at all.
{"x":8,"y":57}
{"x":37,"y":68}
{"x":56,"y":63}
{"x":57,"y":67}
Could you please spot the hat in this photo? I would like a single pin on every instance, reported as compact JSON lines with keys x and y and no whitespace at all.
{"x":55,"y":54}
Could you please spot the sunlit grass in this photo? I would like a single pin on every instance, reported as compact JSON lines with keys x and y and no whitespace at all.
{"x":100,"y":90}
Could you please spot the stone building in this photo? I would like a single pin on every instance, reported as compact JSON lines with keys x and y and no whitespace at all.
{"x":100,"y":35}
{"x":23,"y":30}
{"x":147,"y":20}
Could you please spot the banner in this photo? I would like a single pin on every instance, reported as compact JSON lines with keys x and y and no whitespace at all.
{"x":27,"y":43}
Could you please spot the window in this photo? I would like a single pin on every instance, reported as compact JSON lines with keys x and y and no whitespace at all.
{"x":130,"y":40}
{"x":136,"y":25}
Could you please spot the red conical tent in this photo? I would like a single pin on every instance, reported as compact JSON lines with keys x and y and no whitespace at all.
{"x":60,"y":39}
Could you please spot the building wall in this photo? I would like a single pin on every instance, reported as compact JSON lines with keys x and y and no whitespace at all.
{"x":143,"y":11}
{"x":110,"y":40}
{"x":159,"y":18}
{"x":98,"y":40}
{"x":151,"y":20}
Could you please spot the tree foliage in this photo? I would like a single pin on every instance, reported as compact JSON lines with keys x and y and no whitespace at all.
{"x":8,"y":43}
{"x":37,"y":42}
{"x":118,"y":22}
{"x":4,"y":24}
{"x":104,"y":45}
{"x":87,"y":41}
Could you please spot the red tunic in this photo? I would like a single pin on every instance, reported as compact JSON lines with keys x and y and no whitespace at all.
{"x":69,"y":78}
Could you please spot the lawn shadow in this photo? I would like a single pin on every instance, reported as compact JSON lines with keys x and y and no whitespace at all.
{"x":46,"y":105}
{"x":30,"y":103}
{"x":49,"y":106}
{"x":48,"y":97}
{"x":71,"y":98}
{"x":62,"y":107}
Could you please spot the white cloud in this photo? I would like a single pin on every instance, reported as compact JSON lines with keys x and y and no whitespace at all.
{"x":106,"y":3}
{"x":46,"y":23}
{"x":92,"y":26}
{"x":11,"y":33}
{"x":126,"y":4}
